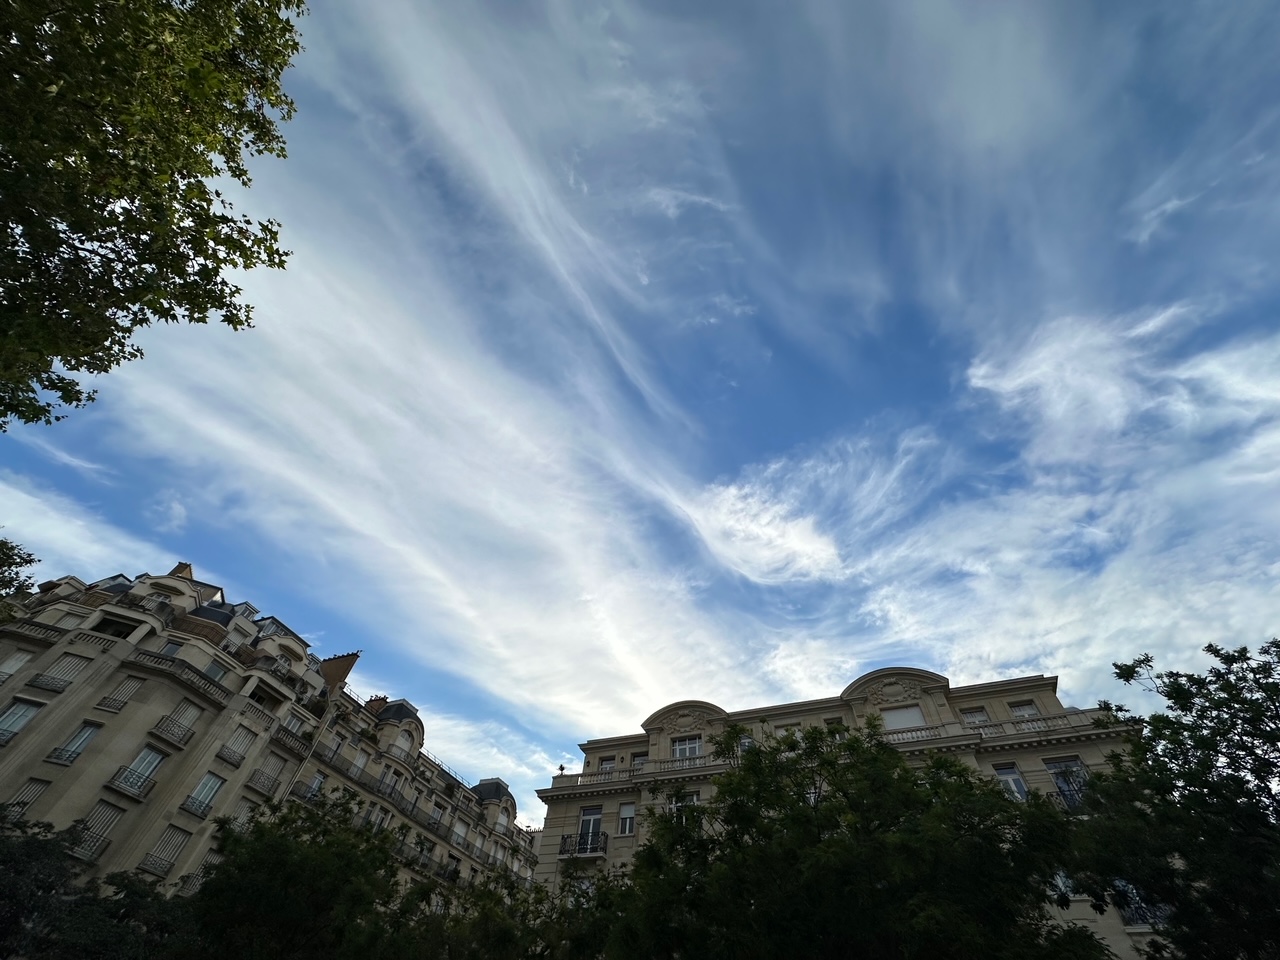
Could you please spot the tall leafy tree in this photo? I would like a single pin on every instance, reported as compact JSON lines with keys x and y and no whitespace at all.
{"x":303,"y":882}
{"x":121,"y":126}
{"x":832,"y":845}
{"x":1185,"y":829}
{"x":14,"y":564}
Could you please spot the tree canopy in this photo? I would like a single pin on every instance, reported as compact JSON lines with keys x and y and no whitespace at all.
{"x":121,"y":127}
{"x":831,"y":844}
{"x":1185,"y":827}
{"x":14,"y":563}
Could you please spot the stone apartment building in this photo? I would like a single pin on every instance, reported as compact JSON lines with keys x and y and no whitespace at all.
{"x":149,"y":706}
{"x":1016,"y":731}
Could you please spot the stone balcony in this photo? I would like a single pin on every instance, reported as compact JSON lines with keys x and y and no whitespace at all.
{"x":910,"y":739}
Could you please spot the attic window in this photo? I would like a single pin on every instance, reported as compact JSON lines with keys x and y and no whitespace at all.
{"x":898,"y":718}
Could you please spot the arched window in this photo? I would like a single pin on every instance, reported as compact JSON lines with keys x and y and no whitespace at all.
{"x":405,"y":741}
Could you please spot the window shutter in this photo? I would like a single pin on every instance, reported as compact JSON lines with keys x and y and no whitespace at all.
{"x":67,"y":666}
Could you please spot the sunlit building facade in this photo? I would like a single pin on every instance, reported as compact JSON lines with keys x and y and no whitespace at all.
{"x":148,"y":707}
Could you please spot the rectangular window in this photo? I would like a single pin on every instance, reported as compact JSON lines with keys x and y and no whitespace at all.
{"x":215,"y":671}
{"x":362,"y":758}
{"x":16,"y":716}
{"x":80,"y":739}
{"x":293,"y":723}
{"x":626,"y":819}
{"x":686,"y":800}
{"x":126,"y":688}
{"x":1024,"y":708}
{"x":147,"y":762}
{"x":102,"y":818}
{"x":241,"y":741}
{"x":972,"y":716}
{"x":68,"y":666}
{"x":13,"y":663}
{"x":97,"y":825}
{"x":16,"y":808}
{"x":244,"y":811}
{"x":1069,"y":776}
{"x":186,"y":713}
{"x":273,"y":766}
{"x":166,"y":851}
{"x":171,"y":648}
{"x":208,"y":787}
{"x":438,"y":814}
{"x":837,"y":725}
{"x":1010,"y":778}
{"x":746,"y":742}
{"x":606,"y":763}
{"x":69,"y":620}
{"x":316,"y":787}
{"x":638,"y":760}
{"x":683,"y":747}
{"x":899,"y":718}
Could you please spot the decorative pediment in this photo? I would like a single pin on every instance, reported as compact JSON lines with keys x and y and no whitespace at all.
{"x":894,"y":690}
{"x":894,"y":685}
{"x":687,"y":717}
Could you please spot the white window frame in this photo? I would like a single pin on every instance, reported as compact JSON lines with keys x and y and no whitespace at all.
{"x":626,"y":820}
{"x":686,"y":748}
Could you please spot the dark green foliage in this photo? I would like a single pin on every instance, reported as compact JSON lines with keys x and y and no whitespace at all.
{"x":46,"y":913}
{"x":1190,"y":816}
{"x":116,"y":121}
{"x":35,"y":874}
{"x":304,"y":882}
{"x":14,"y":562}
{"x":834,"y":846}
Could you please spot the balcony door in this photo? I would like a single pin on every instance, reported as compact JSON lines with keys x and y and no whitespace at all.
{"x":147,"y":762}
{"x":590,"y":823}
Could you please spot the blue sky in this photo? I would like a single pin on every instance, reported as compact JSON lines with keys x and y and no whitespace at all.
{"x":632,"y":352}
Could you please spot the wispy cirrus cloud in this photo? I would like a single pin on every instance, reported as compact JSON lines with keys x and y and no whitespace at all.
{"x":631,"y":355}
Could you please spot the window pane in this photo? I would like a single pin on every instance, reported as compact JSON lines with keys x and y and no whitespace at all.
{"x":1024,"y":709}
{"x":18,"y":715}
{"x":896,"y":718}
{"x":147,"y":761}
{"x":14,"y":662}
{"x":80,"y":739}
{"x":242,"y":740}
{"x":208,"y":787}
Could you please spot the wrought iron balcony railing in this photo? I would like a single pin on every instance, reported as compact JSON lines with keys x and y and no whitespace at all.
{"x":90,"y":846}
{"x":196,"y":807}
{"x":114,"y":704}
{"x":47,"y":681}
{"x":584,"y":844}
{"x":131,"y":782}
{"x":63,"y":756}
{"x":172,"y":730}
{"x":227,"y":755}
{"x":153,"y":864}
{"x":264,"y":783}
{"x":6,"y":736}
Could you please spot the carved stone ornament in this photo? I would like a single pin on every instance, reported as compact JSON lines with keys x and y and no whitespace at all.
{"x":685,"y":721}
{"x":894,"y":690}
